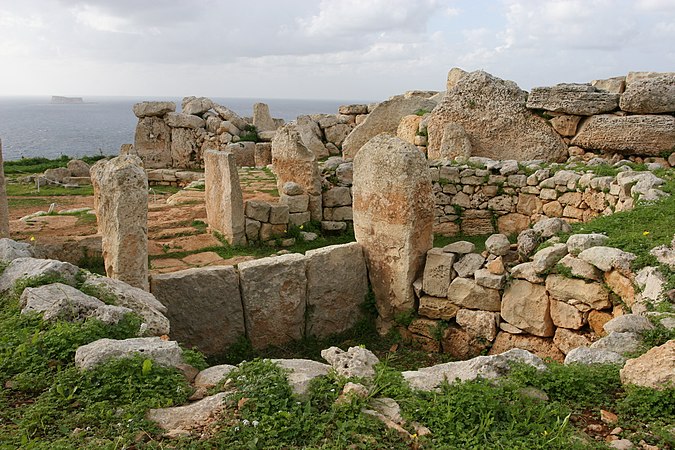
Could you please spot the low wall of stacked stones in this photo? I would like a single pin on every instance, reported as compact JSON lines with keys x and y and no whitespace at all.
{"x":269,"y":301}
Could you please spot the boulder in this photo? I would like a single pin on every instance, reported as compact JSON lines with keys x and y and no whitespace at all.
{"x":355,"y":362}
{"x":479,"y":324}
{"x":571,"y":98}
{"x":301,"y":372}
{"x":493,"y":114}
{"x":211,"y":376}
{"x":153,"y":109}
{"x":182,"y":120}
{"x":498,"y":244}
{"x":585,"y":355}
{"x":78,"y":168}
{"x":526,"y":306}
{"x":655,"y":369}
{"x":467,"y":265}
{"x":437,"y":272}
{"x":574,"y":291}
{"x":22,"y":268}
{"x":59,"y":301}
{"x":227,"y":114}
{"x":437,"y":308}
{"x":467,"y":293}
{"x":393,"y":210}
{"x":566,"y":125}
{"x":580,"y":268}
{"x":203,"y":307}
{"x":567,"y":340}
{"x":577,"y":243}
{"x":337,"y":133}
{"x":194,"y":417}
{"x":274,"y":291}
{"x":615,"y":85}
{"x":545,"y":259}
{"x":651,"y":95}
{"x":619,"y":342}
{"x":488,"y":279}
{"x":262,"y":120}
{"x":608,"y":258}
{"x":525,"y":271}
{"x":460,"y":247}
{"x":224,"y":198}
{"x":550,"y":227}
{"x":244,"y":153}
{"x":196,"y":105}
{"x":650,"y":281}
{"x":385,"y":118}
{"x":311,"y":136}
{"x":11,"y":250}
{"x":152,"y":143}
{"x":539,"y":346}
{"x":161,"y":352}
{"x":628,"y":135}
{"x":458,"y":343}
{"x":141,"y":302}
{"x":486,"y":367}
{"x":408,"y":128}
{"x":337,"y":285}
{"x":628,"y":323}
{"x":566,"y":316}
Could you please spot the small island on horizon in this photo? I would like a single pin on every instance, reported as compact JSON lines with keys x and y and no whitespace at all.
{"x":60,"y":100}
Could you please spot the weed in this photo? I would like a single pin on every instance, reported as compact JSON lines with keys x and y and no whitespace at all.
{"x":249,"y":133}
{"x":421,"y":112}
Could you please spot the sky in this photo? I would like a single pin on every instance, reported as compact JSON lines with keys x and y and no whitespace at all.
{"x":321,"y":49}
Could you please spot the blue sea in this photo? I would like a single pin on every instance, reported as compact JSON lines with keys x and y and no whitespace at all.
{"x":32,"y":126}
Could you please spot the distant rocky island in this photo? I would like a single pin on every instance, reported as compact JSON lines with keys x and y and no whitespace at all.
{"x":58,"y":100}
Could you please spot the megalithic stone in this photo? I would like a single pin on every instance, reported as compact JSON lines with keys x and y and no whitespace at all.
{"x":224,"y":199}
{"x":393,"y":220}
{"x":4,"y":209}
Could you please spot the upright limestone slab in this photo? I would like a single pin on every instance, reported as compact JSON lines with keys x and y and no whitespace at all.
{"x":393,"y":219}
{"x":121,"y":201}
{"x":274,"y":291}
{"x":204,"y":306}
{"x":4,"y":211}
{"x":337,"y":285}
{"x":224,"y":199}
{"x":152,"y":142}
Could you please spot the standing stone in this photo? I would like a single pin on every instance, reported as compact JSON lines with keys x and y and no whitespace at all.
{"x":152,"y":142}
{"x":262,"y":120}
{"x":493,"y":114}
{"x":337,"y":285}
{"x":393,"y":219}
{"x":273,"y":292}
{"x":203,"y":306}
{"x":122,"y":213}
{"x":4,"y":209}
{"x":185,"y":152}
{"x":224,"y":199}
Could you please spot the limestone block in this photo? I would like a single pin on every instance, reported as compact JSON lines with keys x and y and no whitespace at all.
{"x":577,"y":243}
{"x":567,"y":340}
{"x":575,"y":291}
{"x":539,"y":346}
{"x":584,"y":355}
{"x":298,"y":219}
{"x":274,"y":293}
{"x":270,"y":231}
{"x":455,"y":142}
{"x":189,"y":418}
{"x":631,"y":323}
{"x":526,"y":306}
{"x":438,"y":272}
{"x":512,"y":223}
{"x":11,"y":250}
{"x":311,"y":136}
{"x":252,"y":229}
{"x":185,"y":151}
{"x":651,"y":95}
{"x":479,"y":324}
{"x":262,"y":120}
{"x":296,"y":203}
{"x":566,"y":125}
{"x":467,"y":265}
{"x":337,"y":133}
{"x":355,"y":362}
{"x":437,"y":308}
{"x":548,"y":257}
{"x":293,"y":161}
{"x":466,"y":293}
{"x":570,"y":98}
{"x":279,"y":214}
{"x":615,"y":85}
{"x":196,"y":105}
{"x":393,"y":211}
{"x":4,"y":209}
{"x":203,"y":306}
{"x":121,"y":190}
{"x":408,"y":127}
{"x":608,"y":258}
{"x":628,"y":135}
{"x":153,"y":109}
{"x":182,"y":120}
{"x":566,"y":316}
{"x":161,"y":352}
{"x":258,"y":210}
{"x":487,"y":279}
{"x":580,"y":268}
{"x":337,"y":196}
{"x":244,"y":153}
{"x":655,"y":369}
{"x":224,"y":198}
{"x":263,"y":154}
{"x":152,"y":142}
{"x":493,"y":114}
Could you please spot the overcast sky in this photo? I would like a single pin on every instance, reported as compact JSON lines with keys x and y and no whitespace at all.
{"x":328,"y":49}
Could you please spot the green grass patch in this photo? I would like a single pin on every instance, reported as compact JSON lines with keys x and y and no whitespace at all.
{"x":50,"y":190}
{"x":39,"y":165}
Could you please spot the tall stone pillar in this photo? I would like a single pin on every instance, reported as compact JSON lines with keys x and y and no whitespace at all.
{"x":121,"y":193}
{"x":4,"y":210}
{"x":393,"y":220}
{"x":224,"y":199}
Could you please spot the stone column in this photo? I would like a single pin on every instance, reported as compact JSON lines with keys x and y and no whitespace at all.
{"x":224,"y":199}
{"x":122,"y":211}
{"x":4,"y":210}
{"x":393,"y":220}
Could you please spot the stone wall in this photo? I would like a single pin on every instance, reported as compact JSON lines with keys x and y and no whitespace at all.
{"x":270,"y":301}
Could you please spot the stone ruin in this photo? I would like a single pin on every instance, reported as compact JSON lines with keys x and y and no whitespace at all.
{"x":4,"y":211}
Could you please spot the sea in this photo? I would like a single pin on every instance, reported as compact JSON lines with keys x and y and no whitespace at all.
{"x":32,"y":126}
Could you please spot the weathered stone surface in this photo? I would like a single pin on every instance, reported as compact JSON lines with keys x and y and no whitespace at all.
{"x":262,"y":120}
{"x":355,"y":362}
{"x":550,"y":227}
{"x":337,"y":196}
{"x":487,"y":279}
{"x":575,"y":291}
{"x":566,"y":125}
{"x":455,"y":142}
{"x":580,"y":268}
{"x":194,"y":417}
{"x":460,"y":247}
{"x":408,"y":128}
{"x":628,"y":323}
{"x":479,"y":324}
{"x":293,"y":161}
{"x":4,"y":211}
{"x":650,"y":280}
{"x":493,"y":113}
{"x":164,"y":353}
{"x":570,"y":98}
{"x":211,"y":376}
{"x":468,"y":264}
{"x":141,"y":302}
{"x":577,"y":243}
{"x":437,"y":308}
{"x":655,"y":369}
{"x":567,"y":340}
{"x":487,"y":367}
{"x":608,"y":258}
{"x":274,"y":293}
{"x":619,"y":342}
{"x":311,"y":136}
{"x":528,"y":240}
{"x":196,"y":105}
{"x":258,"y":210}
{"x":182,"y":120}
{"x":651,"y":95}
{"x":384,"y":119}
{"x":566,"y":316}
{"x":296,"y":203}
{"x":586,"y":355}
{"x":11,"y":250}
{"x":263,"y":154}
{"x":438,"y":272}
{"x":498,"y":244}
{"x":466,"y":293}
{"x":640,"y":134}
{"x":185,"y":151}
{"x":548,"y":257}
{"x":337,"y":133}
{"x":337,"y":285}
{"x":526,"y":306}
{"x":393,"y":211}
{"x":525,"y":271}
{"x":302,"y":372}
{"x":153,"y":109}
{"x":458,"y":343}
{"x":121,"y":189}
{"x":78,"y":168}
{"x":621,"y":286}
{"x":203,"y":306}
{"x":597,"y":320}
{"x":224,"y":198}
{"x":59,"y":301}
{"x":230,"y":116}
{"x":541,"y":347}
{"x":244,"y":153}
{"x":615,"y":85}
{"x":152,"y":142}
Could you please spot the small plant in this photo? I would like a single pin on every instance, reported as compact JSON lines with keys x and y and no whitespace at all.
{"x":405,"y":318}
{"x":421,"y":112}
{"x":249,"y":133}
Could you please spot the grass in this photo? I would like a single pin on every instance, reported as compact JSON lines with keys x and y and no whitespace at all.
{"x":29,"y":189}
{"x":39,"y":165}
